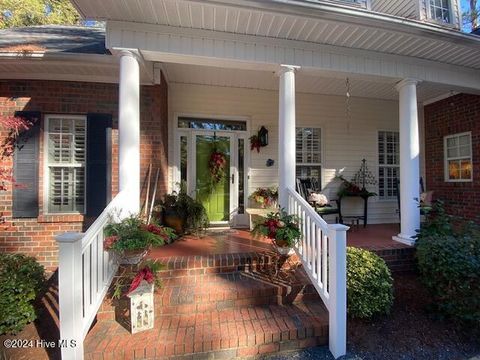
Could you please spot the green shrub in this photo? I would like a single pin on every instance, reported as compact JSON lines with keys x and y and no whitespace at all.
{"x":369,"y":284}
{"x":449,"y":263}
{"x":21,"y":279}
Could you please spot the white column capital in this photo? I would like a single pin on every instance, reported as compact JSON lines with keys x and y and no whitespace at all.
{"x":405,"y":82}
{"x":133,"y":53}
{"x":286,"y":69}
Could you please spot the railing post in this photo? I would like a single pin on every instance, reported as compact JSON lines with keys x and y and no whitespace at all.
{"x":70,"y":295}
{"x":337,"y":288}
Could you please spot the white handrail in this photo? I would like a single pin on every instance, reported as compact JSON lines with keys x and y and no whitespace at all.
{"x":322,"y":250}
{"x":85,"y":272}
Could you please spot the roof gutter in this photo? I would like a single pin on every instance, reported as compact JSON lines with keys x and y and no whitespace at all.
{"x":96,"y":59}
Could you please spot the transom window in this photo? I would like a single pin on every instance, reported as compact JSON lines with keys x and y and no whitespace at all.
{"x":440,"y":10}
{"x":458,"y":157}
{"x":65,"y":162}
{"x":309,"y":153}
{"x":388,"y":163}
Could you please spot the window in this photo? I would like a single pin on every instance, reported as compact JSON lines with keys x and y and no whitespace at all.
{"x":309,"y":154}
{"x":65,"y":163}
{"x":440,"y":10}
{"x":388,"y":163}
{"x":458,"y":157}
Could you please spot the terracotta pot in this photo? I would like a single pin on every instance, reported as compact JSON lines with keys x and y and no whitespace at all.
{"x":174,"y":221}
{"x":132,"y":257}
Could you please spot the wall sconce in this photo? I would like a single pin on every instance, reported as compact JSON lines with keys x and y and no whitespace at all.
{"x":263,"y":136}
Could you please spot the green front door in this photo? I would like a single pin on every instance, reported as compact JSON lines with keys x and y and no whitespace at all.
{"x":214,"y":194}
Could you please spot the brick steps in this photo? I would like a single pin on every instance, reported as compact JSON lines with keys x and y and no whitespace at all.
{"x":219,"y":334}
{"x":200,"y":293}
{"x":217,"y":307}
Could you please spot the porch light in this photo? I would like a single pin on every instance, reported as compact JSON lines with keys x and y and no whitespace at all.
{"x":141,"y":307}
{"x":263,"y":136}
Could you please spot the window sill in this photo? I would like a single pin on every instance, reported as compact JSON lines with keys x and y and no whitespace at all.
{"x":60,"y":218}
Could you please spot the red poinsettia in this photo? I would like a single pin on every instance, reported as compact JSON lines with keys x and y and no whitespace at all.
{"x":109,"y":241}
{"x":144,"y":274}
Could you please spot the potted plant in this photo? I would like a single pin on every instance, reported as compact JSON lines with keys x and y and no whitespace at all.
{"x":283,"y":229}
{"x":183,"y":213}
{"x":265,"y":197}
{"x":132,"y":238}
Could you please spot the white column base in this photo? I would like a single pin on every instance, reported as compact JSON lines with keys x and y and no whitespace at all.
{"x":404,"y":239}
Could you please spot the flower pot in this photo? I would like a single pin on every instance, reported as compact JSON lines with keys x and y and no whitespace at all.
{"x":285,"y":250}
{"x":175,"y":222}
{"x":132,"y":257}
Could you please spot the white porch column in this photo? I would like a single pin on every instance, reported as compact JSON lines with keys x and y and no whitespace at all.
{"x":286,"y":140}
{"x":129,"y":130}
{"x":409,"y":161}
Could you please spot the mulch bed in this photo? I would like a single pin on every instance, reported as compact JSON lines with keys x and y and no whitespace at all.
{"x":411,"y":331}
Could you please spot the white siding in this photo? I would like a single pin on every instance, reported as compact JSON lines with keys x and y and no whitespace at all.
{"x":403,"y":8}
{"x":344,"y":144}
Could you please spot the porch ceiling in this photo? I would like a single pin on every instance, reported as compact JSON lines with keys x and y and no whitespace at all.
{"x":305,"y":83}
{"x":317,"y":22}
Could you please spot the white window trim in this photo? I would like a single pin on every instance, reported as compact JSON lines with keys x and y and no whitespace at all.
{"x":322,"y":152}
{"x":384,"y":198}
{"x":446,"y":158}
{"x":431,"y":18}
{"x":46,"y":177}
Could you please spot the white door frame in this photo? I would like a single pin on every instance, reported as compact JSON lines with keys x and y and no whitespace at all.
{"x":239,"y":220}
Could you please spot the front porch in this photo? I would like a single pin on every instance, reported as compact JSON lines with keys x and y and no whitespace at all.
{"x":219,"y":299}
{"x":219,"y":243}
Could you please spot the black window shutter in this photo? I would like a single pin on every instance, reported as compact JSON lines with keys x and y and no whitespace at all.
{"x":25,"y":169}
{"x":99,"y":127}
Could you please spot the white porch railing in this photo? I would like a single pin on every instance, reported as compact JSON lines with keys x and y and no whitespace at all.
{"x":323,"y":252}
{"x":85,"y":272}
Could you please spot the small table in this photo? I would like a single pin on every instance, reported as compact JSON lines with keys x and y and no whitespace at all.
{"x":258,"y":213}
{"x":364,"y":195}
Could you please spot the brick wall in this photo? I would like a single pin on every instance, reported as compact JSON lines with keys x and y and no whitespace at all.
{"x":456,"y":114}
{"x":36,"y":236}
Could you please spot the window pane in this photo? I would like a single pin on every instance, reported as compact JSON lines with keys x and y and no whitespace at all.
{"x":464,"y":150}
{"x":310,"y":172}
{"x":466,"y":169}
{"x":388,"y":161}
{"x":66,"y":156}
{"x":67,"y":189}
{"x":308,"y":146}
{"x":454,"y":170}
{"x":464,"y":140}
{"x":452,"y":152}
{"x":183,"y":158}
{"x":241,"y":176}
{"x":212,"y":124}
{"x":451,"y":142}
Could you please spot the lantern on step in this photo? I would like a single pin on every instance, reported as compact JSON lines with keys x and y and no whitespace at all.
{"x":263,"y":136}
{"x":141,"y":307}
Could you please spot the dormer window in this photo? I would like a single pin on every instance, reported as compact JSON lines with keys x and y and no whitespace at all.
{"x":440,"y":10}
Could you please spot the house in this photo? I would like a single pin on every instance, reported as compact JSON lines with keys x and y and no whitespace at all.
{"x":334,"y":82}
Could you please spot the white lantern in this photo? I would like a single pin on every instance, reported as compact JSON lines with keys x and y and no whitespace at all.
{"x":141,"y":307}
